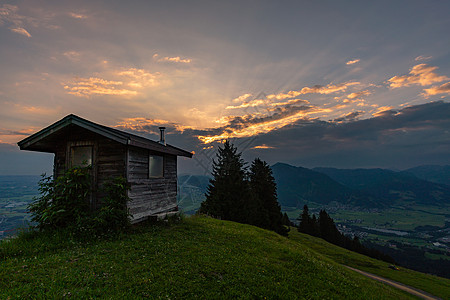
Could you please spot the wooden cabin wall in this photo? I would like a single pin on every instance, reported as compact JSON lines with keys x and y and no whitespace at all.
{"x":109,"y":162}
{"x":109,"y":158}
{"x":150,"y":195}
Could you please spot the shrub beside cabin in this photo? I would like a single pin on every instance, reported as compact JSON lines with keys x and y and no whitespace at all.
{"x":150,"y":167}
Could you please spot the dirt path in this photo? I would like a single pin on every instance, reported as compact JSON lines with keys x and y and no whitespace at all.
{"x":411,"y":290}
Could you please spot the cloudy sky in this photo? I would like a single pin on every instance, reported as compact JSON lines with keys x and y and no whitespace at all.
{"x":312,"y":83}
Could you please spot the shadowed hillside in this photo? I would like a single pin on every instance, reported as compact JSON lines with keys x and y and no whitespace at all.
{"x":297,"y":186}
{"x":389,"y":186}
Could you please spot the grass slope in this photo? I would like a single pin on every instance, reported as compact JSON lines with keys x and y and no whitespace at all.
{"x":434,"y":285}
{"x":197,"y":258}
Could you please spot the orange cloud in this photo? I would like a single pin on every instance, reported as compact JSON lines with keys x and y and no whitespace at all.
{"x":351,"y":62}
{"x":358,"y":94}
{"x":251,"y":126}
{"x":21,"y":31}
{"x":442,"y":89}
{"x":130,"y":81}
{"x":421,"y":74}
{"x":242,"y":98}
{"x":263,"y":146}
{"x":85,"y":87}
{"x":140,"y":77}
{"x":317,"y":89}
{"x":176,"y":59}
{"x":381,"y":111}
{"x":12,"y":137}
{"x":290,"y":102}
{"x":253,"y":103}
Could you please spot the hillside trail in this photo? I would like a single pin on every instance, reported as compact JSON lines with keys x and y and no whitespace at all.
{"x":401,"y":286}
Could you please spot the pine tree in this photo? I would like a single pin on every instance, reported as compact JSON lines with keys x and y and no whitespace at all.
{"x":305,"y":225}
{"x":228,"y":190}
{"x":328,"y":230}
{"x":265,"y":212}
{"x":286,"y":220}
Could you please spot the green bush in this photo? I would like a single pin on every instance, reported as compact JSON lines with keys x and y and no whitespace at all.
{"x":64,"y":203}
{"x":114,"y":215}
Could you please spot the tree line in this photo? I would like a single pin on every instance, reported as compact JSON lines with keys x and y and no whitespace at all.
{"x":243,"y":195}
{"x":325,"y":228}
{"x":249,"y":195}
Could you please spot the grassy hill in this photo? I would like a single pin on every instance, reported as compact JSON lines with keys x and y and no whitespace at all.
{"x":432,"y":284}
{"x":197,"y":258}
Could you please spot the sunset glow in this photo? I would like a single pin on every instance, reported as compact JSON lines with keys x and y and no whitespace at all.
{"x":307,"y":79}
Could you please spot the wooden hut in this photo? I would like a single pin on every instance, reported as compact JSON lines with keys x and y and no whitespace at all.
{"x":150,"y":167}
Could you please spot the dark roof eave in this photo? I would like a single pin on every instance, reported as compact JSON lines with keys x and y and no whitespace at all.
{"x":159,"y":147}
{"x":71,"y":119}
{"x":121,"y":137}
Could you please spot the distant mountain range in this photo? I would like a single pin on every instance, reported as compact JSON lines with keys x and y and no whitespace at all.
{"x":433,"y":173}
{"x":367,"y":188}
{"x":358,"y":187}
{"x":297,"y":186}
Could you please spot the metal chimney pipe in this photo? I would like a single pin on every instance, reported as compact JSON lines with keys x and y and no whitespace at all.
{"x":162,"y":139}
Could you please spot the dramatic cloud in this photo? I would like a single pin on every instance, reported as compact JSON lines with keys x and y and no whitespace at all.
{"x":413,"y":135}
{"x":352,"y":62}
{"x":435,"y":90}
{"x":144,"y":65}
{"x":253,"y":125}
{"x":397,"y":138}
{"x":421,"y":74}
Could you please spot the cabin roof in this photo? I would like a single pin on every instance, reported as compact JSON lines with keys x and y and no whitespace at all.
{"x":42,"y":140}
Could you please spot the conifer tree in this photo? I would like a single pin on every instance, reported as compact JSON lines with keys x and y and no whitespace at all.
{"x":328,"y":230}
{"x":264,"y":210}
{"x":305,"y":225}
{"x":286,"y":220}
{"x":228,"y":190}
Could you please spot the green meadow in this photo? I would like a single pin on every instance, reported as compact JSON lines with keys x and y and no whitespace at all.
{"x":199,"y":257}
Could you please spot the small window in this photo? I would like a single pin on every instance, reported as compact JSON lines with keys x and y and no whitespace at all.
{"x":81,"y":156}
{"x":155,"y":166}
